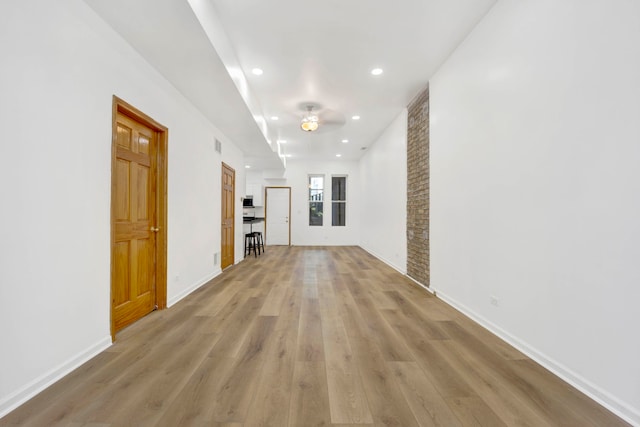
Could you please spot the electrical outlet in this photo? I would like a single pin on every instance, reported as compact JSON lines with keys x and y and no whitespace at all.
{"x":494,"y":300}
{"x":177,"y":278}
{"x":215,"y":258}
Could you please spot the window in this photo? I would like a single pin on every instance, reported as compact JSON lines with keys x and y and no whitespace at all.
{"x":316,"y":199}
{"x":338,"y":200}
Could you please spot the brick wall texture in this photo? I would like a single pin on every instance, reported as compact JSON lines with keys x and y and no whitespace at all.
{"x":418,"y":188}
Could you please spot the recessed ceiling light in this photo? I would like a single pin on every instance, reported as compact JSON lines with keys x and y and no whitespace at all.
{"x":344,"y":141}
{"x":247,"y":166}
{"x":274,"y":117}
{"x":356,"y":117}
{"x":338,"y":155}
{"x":376,"y":71}
{"x":257,"y":71}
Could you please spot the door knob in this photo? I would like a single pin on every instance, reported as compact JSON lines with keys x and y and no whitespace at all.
{"x":155,"y":229}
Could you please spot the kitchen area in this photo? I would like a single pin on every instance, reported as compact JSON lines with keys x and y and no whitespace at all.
{"x":253,"y":223}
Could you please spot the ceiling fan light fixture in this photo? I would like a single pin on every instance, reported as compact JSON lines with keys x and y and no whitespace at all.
{"x":309,"y":122}
{"x":309,"y":125}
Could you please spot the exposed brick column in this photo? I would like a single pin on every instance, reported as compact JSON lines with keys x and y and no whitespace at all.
{"x":418,"y":188}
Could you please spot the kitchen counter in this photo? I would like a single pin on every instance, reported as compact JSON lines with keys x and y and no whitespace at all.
{"x":252,"y":220}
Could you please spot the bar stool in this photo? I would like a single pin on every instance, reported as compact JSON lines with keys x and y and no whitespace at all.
{"x":250,"y":242}
{"x":259,"y":241}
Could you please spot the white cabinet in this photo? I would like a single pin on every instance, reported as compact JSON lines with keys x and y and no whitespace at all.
{"x":257,"y":191}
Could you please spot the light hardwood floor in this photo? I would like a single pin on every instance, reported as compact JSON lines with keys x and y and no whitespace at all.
{"x":310,"y":337}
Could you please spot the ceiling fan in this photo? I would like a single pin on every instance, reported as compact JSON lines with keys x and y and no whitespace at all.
{"x":316,"y":118}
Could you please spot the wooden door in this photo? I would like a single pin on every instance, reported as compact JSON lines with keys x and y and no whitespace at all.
{"x":138,"y":251}
{"x":278,"y":214}
{"x":228,"y":216}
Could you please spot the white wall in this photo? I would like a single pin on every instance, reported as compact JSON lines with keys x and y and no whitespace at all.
{"x":535,"y":185}
{"x":296,"y":177}
{"x":301,"y":233}
{"x":383,"y":214}
{"x":61,"y":65}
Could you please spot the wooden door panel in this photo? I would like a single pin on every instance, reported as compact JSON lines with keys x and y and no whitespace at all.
{"x":121,"y":192}
{"x":139,"y":158}
{"x":121,"y":273}
{"x":134,"y":250}
{"x":228,"y":216}
{"x":124,"y":136}
{"x":143,"y":143}
{"x":142,"y":193}
{"x":143,"y":264}
{"x":138,"y":215}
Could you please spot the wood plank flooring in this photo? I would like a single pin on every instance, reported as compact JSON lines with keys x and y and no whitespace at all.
{"x":322,"y":336}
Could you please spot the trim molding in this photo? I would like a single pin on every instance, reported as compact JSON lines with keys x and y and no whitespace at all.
{"x":174,"y":300}
{"x":422,"y":285}
{"x":399,"y":270}
{"x":12,"y":401}
{"x":389,"y":263}
{"x":622,"y":409}
{"x":28,"y":391}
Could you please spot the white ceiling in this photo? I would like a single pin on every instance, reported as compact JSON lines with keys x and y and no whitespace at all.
{"x":317,"y":53}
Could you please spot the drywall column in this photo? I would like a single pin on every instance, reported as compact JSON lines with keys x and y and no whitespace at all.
{"x":418,"y":188}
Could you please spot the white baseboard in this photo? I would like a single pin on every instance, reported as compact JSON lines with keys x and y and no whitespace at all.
{"x":175,"y":299}
{"x":25,"y":393}
{"x":11,"y":402}
{"x":401,"y":270}
{"x":431,"y":291}
{"x":603,"y":397}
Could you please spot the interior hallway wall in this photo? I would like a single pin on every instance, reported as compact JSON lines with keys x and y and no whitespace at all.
{"x":61,"y":65}
{"x":535,"y":187}
{"x":383,"y":200}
